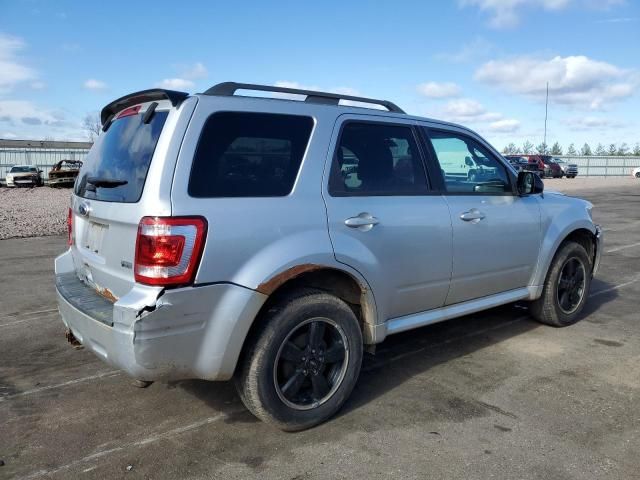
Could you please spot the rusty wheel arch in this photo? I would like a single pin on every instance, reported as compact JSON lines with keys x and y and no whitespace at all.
{"x":333,"y":280}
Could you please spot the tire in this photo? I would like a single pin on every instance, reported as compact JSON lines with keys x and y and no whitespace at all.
{"x":553,"y":307}
{"x":638,"y":175}
{"x":264,"y":372}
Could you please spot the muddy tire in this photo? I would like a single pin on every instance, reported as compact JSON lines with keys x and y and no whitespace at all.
{"x":302,"y":362}
{"x":566,"y":287}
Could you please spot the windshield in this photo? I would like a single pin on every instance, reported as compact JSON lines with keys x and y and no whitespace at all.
{"x":117,"y":165}
{"x":22,"y":169}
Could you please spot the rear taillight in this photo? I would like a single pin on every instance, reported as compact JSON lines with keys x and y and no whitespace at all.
{"x":70,"y":227}
{"x":168,"y":249}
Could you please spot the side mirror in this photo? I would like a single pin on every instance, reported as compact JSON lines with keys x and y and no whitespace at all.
{"x":40,"y":171}
{"x":529,"y":183}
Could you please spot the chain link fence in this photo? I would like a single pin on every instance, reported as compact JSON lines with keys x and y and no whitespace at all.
{"x":607,"y":166}
{"x":42,"y":158}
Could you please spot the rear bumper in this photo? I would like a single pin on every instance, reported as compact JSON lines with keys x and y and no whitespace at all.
{"x":156,"y":334}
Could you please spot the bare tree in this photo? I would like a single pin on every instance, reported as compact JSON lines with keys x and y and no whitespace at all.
{"x":586,"y":150}
{"x":600,"y":150}
{"x":556,"y":149}
{"x":527,"y":148}
{"x":510,"y":149}
{"x":612,"y":149}
{"x":92,"y":126}
{"x":623,"y":149}
{"x":571,"y":150}
{"x":542,"y":148}
{"x":636,"y":149}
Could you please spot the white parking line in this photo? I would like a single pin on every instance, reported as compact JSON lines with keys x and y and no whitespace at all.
{"x":139,"y":443}
{"x":27,"y":314}
{"x":111,"y":373}
{"x":615,"y":287}
{"x":623,"y":247}
{"x":17,"y":322}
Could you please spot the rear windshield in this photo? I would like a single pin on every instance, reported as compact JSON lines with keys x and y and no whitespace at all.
{"x":121,"y":154}
{"x":22,"y":169}
{"x":243,"y":154}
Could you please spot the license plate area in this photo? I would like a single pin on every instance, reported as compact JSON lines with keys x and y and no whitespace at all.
{"x":94,"y":237}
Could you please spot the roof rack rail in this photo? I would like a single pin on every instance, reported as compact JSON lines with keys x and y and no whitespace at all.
{"x":228,"y":89}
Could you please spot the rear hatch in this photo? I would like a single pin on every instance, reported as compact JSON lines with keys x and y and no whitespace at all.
{"x":123,"y":179}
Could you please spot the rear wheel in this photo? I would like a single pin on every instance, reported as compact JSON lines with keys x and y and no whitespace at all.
{"x":637,"y":174}
{"x":303,"y":361}
{"x":566,"y":287}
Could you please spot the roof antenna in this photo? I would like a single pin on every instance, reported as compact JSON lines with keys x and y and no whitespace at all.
{"x":546,"y":108}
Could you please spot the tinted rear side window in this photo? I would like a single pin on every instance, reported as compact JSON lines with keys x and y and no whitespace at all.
{"x":122,"y":153}
{"x":249,"y":155}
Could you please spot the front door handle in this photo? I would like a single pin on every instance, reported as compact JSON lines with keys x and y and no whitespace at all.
{"x":474,"y":215}
{"x":363,"y":222}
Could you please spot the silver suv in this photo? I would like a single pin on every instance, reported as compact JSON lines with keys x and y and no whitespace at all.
{"x":269,"y":240}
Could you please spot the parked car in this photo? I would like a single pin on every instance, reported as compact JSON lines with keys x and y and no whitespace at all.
{"x":519,"y":163}
{"x":569,"y":170}
{"x":544,"y":165}
{"x":636,"y":172}
{"x":271,"y":240}
{"x":64,"y":173}
{"x":24,"y":176}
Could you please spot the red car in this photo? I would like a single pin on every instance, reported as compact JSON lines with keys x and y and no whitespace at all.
{"x":546,"y":167}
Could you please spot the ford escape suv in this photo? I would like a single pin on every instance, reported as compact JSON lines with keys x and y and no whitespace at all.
{"x":269,"y":240}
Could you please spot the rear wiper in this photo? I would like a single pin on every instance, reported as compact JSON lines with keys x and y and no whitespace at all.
{"x":106,"y":182}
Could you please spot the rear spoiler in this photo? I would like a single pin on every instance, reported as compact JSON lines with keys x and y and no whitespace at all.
{"x":140,"y":97}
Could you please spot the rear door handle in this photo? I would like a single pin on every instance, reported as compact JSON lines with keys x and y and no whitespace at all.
{"x":363,"y":222}
{"x":474,"y":215}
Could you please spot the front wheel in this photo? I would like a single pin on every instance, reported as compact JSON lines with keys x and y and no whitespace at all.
{"x":637,"y":174}
{"x":302,"y":362}
{"x":566,"y":287}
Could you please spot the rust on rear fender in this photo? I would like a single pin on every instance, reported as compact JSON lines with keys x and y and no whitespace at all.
{"x":273,"y":283}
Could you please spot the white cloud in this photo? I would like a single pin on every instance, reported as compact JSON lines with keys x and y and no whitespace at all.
{"x":175,"y":84}
{"x":23,"y":112}
{"x":575,"y":80}
{"x":94,"y":85}
{"x":185,"y":80}
{"x":38,"y":85}
{"x":478,"y":48}
{"x":507,"y":13}
{"x":439,"y":90}
{"x":467,"y":110}
{"x":507,"y":125}
{"x":8,"y":135}
{"x":12,"y":71}
{"x":591,"y":123}
{"x":25,"y":119}
{"x":194,"y":72}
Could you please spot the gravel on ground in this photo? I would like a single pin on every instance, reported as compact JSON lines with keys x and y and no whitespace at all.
{"x":33,"y":212}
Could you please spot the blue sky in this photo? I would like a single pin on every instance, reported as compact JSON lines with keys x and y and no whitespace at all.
{"x":482,"y":63}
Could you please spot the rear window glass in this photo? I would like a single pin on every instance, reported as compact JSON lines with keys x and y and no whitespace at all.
{"x":249,"y":155}
{"x":22,"y":170}
{"x":120,"y":159}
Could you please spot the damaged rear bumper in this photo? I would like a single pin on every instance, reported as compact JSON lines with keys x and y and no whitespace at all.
{"x":157,"y":334}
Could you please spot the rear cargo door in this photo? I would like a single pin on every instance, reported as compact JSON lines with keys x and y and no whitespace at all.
{"x":120,"y":182}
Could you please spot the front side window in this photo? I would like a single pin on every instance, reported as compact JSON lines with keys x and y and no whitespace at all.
{"x":377,"y":159}
{"x":242,"y":154}
{"x":467,"y":166}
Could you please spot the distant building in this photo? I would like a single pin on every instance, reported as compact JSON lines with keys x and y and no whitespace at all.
{"x":40,"y":153}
